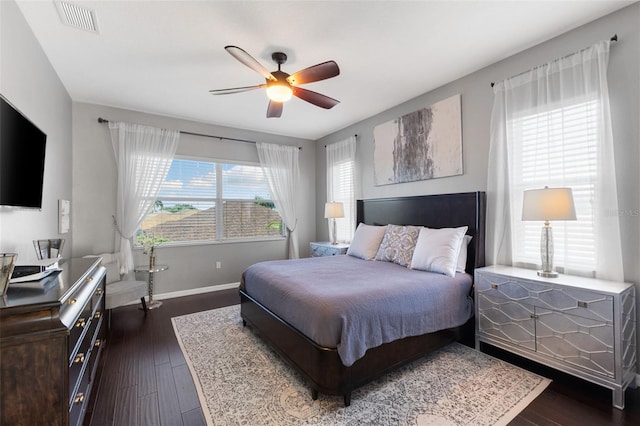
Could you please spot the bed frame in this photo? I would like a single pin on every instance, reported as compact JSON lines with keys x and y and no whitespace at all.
{"x":322,"y":367}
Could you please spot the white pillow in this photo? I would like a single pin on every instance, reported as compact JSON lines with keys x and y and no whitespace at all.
{"x":462,"y":257}
{"x":437,"y":250}
{"x":366,"y":241}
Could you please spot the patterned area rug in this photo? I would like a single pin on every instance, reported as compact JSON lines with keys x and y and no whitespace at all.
{"x":240,"y":381}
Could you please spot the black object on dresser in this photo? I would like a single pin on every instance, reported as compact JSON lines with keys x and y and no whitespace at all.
{"x":52,"y":332}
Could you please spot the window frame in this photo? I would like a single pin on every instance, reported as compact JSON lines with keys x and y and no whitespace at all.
{"x":527,"y":233}
{"x":218,"y":201}
{"x":345,"y":228}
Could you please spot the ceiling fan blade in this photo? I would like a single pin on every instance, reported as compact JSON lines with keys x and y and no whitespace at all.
{"x":315,"y":98}
{"x":315,"y":73}
{"x":274,"y":110}
{"x":236,"y":89}
{"x":249,"y":61}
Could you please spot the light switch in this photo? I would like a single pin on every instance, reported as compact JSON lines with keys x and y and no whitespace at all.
{"x":64,"y":215}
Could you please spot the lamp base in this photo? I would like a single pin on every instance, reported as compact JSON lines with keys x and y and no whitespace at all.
{"x":548,"y":274}
{"x":334,"y":232}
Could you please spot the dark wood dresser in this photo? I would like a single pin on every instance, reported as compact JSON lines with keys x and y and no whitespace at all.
{"x":51,"y":335}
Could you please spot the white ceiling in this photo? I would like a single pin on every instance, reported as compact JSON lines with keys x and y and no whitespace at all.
{"x":162,"y":57}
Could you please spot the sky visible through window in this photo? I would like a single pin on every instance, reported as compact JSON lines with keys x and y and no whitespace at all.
{"x":197,"y":180}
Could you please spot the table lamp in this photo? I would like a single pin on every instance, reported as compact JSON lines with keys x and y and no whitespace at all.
{"x":548,"y":204}
{"x":332,"y":211}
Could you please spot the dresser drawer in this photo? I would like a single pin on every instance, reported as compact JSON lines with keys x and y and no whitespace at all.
{"x":78,"y":361}
{"x":79,"y":400}
{"x":574,"y":301}
{"x":97,"y":344}
{"x":81,"y":356}
{"x":578,"y":341}
{"x":97,"y":299}
{"x":78,"y":329}
{"x":78,"y":303}
{"x":507,"y":320}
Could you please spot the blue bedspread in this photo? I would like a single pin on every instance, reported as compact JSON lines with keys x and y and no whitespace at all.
{"x":353,"y":305}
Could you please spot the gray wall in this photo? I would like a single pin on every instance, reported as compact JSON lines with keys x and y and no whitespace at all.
{"x":190,"y":267}
{"x":29,"y":82}
{"x":477,"y":102}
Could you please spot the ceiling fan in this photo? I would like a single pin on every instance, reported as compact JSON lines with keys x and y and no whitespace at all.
{"x":280,"y":85}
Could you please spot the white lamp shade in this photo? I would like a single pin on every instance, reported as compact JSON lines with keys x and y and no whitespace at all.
{"x":333,"y":210}
{"x":548,"y":204}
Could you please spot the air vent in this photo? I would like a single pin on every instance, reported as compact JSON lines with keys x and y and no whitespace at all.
{"x":77,"y":16}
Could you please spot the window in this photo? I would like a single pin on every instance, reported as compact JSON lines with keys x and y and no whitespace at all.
{"x":340,"y":184}
{"x":212,"y":201}
{"x":557,"y":148}
{"x":551,"y":126}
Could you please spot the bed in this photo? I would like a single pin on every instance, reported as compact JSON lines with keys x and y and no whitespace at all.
{"x":321,"y":362}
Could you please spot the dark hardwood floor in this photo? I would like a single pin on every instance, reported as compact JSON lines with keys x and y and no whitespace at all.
{"x":143,"y":378}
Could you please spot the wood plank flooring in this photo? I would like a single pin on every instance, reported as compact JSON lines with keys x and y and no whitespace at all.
{"x":143,"y":378}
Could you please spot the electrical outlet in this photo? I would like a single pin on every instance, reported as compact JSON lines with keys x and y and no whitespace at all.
{"x":218,"y":265}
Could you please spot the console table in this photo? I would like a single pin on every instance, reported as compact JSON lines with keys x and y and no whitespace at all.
{"x":582,"y":326}
{"x":52,"y":332}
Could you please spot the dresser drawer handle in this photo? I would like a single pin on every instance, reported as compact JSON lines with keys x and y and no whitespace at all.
{"x":582,"y":304}
{"x":79,"y":398}
{"x":99,"y":291}
{"x":494,"y":285}
{"x":81,"y":323}
{"x":79,"y":358}
{"x":72,"y":301}
{"x":97,"y":343}
{"x":89,"y":279}
{"x":97,"y":315}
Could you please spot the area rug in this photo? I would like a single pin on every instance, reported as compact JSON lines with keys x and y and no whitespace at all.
{"x":241,"y":381}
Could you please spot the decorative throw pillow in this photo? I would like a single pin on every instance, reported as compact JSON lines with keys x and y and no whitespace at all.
{"x":366,"y":241}
{"x":398,"y":244}
{"x":462,"y":256}
{"x":437,"y":250}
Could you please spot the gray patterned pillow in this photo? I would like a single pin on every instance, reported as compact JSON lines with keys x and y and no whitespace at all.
{"x":398,"y":244}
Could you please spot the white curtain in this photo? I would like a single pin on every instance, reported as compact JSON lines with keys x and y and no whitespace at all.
{"x":341,"y":159}
{"x":548,"y":106}
{"x":280,"y":165}
{"x":143,"y":157}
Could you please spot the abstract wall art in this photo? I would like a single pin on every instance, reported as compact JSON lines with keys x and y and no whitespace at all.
{"x":424,"y":144}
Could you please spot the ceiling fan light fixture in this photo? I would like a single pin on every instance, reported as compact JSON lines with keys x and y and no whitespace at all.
{"x":279,"y":92}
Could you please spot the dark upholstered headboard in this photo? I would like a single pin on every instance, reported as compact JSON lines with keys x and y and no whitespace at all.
{"x":433,"y":211}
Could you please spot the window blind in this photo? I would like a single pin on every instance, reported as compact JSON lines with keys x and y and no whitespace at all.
{"x":343,"y":192}
{"x":557,"y":148}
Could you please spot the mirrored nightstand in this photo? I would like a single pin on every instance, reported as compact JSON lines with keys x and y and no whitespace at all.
{"x":325,"y":248}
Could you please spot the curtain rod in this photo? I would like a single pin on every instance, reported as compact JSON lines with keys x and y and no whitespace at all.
{"x":355,"y":136}
{"x":183,"y":132}
{"x":613,"y":39}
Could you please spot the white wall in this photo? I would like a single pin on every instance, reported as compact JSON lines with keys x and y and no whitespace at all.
{"x":29,"y":82}
{"x":190,"y":267}
{"x":477,"y":102}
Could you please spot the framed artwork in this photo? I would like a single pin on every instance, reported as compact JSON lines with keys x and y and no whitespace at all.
{"x":424,"y":144}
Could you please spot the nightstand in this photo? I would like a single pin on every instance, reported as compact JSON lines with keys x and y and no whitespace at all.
{"x":325,"y":248}
{"x":582,"y":326}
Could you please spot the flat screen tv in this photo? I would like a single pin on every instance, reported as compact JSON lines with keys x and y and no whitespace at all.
{"x":22,"y":152}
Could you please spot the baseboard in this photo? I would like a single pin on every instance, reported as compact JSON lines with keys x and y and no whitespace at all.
{"x":191,"y":292}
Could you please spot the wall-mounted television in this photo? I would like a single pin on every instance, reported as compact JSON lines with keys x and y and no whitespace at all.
{"x":22,"y":152}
